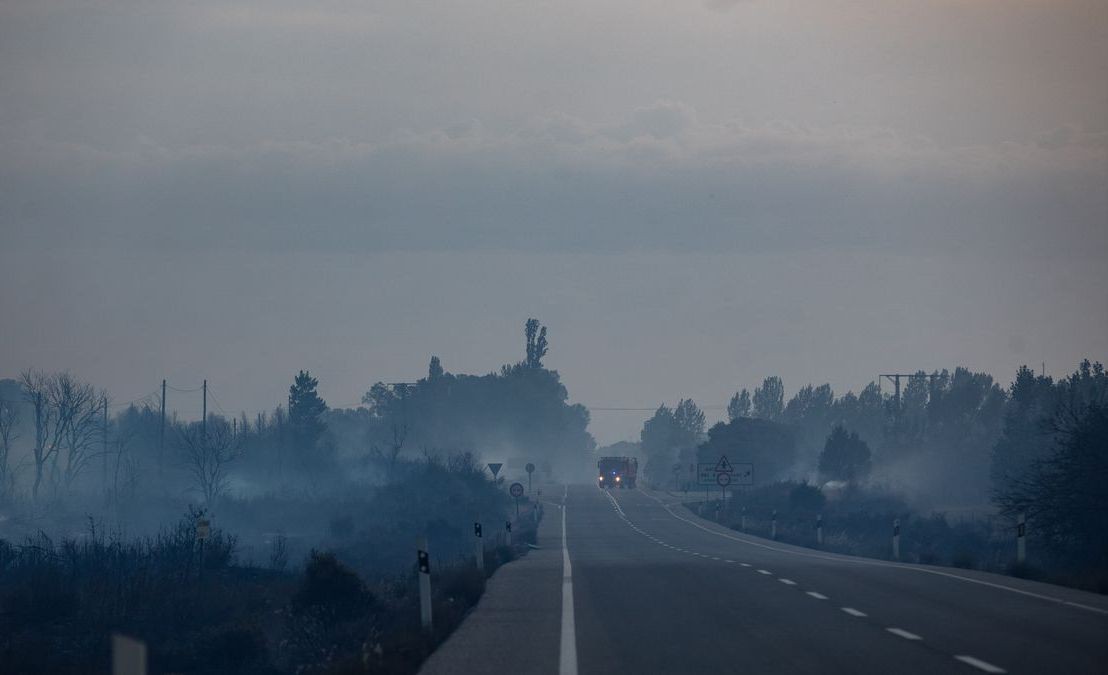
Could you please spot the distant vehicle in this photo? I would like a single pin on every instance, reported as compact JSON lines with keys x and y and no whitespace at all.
{"x":618,"y":472}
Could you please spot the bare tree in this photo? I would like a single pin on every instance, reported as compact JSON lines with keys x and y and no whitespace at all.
{"x":396,"y":446}
{"x":206,"y":456}
{"x":126,"y":466}
{"x":78,"y":427}
{"x":35,"y":394}
{"x":9,"y":421}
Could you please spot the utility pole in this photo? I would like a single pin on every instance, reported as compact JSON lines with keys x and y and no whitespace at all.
{"x":105,"y":440}
{"x":161,"y":435}
{"x":204,"y":424}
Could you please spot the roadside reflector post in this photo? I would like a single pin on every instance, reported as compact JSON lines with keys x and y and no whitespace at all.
{"x":773,"y":526}
{"x":819,"y":529}
{"x":423,"y":558}
{"x":128,"y":656}
{"x":742,"y":521}
{"x":508,"y":531}
{"x":896,"y":539}
{"x":1021,"y":539}
{"x":478,"y":547}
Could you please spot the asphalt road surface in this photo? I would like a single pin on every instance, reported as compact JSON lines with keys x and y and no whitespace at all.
{"x":634,"y":583}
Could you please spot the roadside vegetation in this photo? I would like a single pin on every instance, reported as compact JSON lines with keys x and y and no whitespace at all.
{"x":956,"y":459}
{"x":282,"y":543}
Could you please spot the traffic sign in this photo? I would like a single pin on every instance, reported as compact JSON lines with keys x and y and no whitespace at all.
{"x":724,"y":479}
{"x":495,"y":467}
{"x":723,"y":466}
{"x":516,"y":490}
{"x":530,"y":467}
{"x":741,"y":474}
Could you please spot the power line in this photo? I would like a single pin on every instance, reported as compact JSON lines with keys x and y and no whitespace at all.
{"x":184,"y":391}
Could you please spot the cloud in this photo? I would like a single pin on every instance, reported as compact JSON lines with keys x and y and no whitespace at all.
{"x":661,"y":179}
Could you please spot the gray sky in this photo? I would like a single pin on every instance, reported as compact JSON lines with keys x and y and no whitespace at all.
{"x":691,"y":195}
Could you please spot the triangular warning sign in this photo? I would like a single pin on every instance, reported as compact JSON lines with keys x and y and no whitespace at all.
{"x":723,"y":466}
{"x":495,"y":467}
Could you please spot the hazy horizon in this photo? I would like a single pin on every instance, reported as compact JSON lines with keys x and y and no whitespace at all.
{"x":722,"y":190}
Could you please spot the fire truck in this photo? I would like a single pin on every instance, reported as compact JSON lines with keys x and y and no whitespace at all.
{"x":618,"y":472}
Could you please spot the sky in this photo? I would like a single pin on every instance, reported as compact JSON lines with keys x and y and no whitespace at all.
{"x":691,"y":195}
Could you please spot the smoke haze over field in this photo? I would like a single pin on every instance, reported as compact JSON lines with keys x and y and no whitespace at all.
{"x":691,"y":195}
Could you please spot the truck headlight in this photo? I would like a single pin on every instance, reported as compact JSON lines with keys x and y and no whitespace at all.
{"x":617,"y":479}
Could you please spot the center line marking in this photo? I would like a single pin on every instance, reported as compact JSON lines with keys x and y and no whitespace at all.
{"x":904,"y":634}
{"x":745,"y":564}
{"x":979,"y":664}
{"x":764,"y":572}
{"x":852,"y":612}
{"x":787,"y":582}
{"x":817,"y":596}
{"x":567,"y":658}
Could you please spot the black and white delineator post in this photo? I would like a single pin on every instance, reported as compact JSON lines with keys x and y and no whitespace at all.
{"x":1021,"y":539}
{"x":819,"y":529}
{"x":424,"y":560}
{"x":896,"y":539}
{"x":773,"y":526}
{"x":478,"y":547}
{"x":508,"y":531}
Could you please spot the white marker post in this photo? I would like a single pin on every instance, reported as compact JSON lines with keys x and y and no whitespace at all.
{"x":896,"y":539}
{"x":128,"y":656}
{"x":478,"y":547}
{"x":424,"y":560}
{"x":773,"y":526}
{"x":819,"y":529}
{"x":1021,"y":539}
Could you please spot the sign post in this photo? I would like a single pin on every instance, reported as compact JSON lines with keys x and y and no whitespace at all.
{"x":724,"y":479}
{"x":516,"y":490}
{"x":203,"y":531}
{"x":423,"y":559}
{"x":530,"y":468}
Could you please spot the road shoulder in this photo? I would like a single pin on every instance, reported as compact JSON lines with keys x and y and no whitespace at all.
{"x":518,"y":619}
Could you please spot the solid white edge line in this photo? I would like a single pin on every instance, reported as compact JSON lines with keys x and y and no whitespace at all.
{"x":881,"y":563}
{"x":979,"y":664}
{"x":900,"y":632}
{"x":567,"y":657}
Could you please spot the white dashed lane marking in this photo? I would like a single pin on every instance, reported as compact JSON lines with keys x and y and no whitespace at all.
{"x":971,"y":661}
{"x":979,"y":664}
{"x":900,"y":632}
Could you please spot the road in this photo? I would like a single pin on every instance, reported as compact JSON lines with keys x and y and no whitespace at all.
{"x":637,"y":584}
